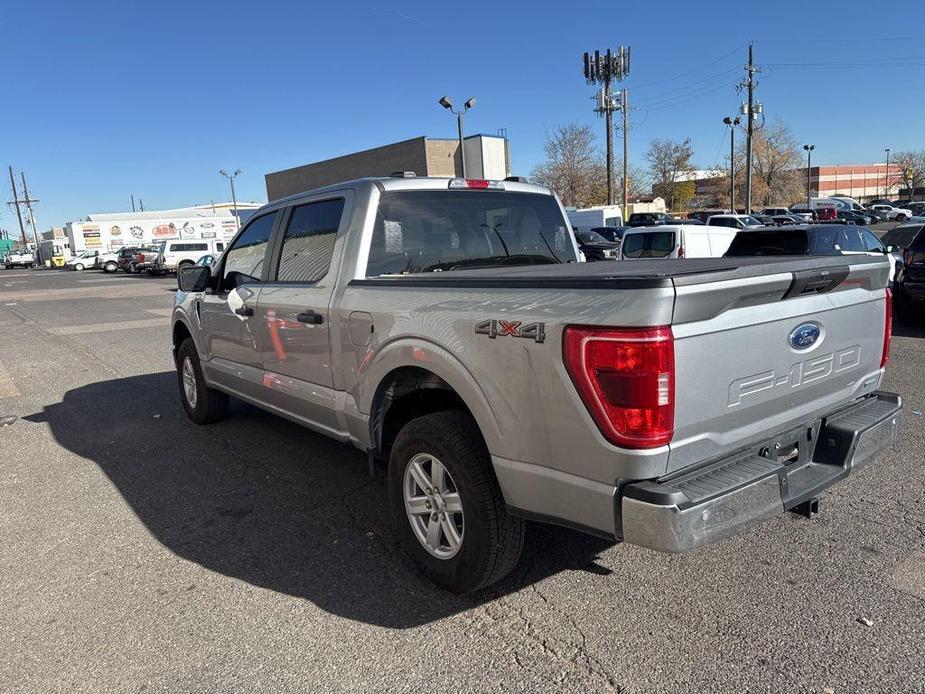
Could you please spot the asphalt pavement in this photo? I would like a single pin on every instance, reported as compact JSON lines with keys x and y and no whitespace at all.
{"x":140,"y":552}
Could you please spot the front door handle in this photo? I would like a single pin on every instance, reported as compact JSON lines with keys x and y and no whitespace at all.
{"x":310,"y":317}
{"x":244,"y":311}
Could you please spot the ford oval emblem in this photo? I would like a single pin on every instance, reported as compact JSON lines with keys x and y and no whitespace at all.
{"x":805,"y":336}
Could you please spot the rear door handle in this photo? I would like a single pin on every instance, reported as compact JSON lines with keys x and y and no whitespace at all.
{"x":244,"y":311}
{"x":310,"y":317}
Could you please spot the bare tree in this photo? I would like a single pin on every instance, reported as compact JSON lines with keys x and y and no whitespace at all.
{"x":776,"y":162}
{"x":574,"y":167}
{"x":668,"y":160}
{"x":909,"y":171}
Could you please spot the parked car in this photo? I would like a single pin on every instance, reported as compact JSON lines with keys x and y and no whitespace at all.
{"x":735,"y":221}
{"x":128,"y":257}
{"x":815,"y":239}
{"x":916,"y":208}
{"x":19,"y":259}
{"x":703,"y":215}
{"x":803,"y":211}
{"x":640,"y":219}
{"x":910,"y":285}
{"x":175,"y":254}
{"x":676,"y":241}
{"x":787,"y":219}
{"x":775,"y":211}
{"x":82,"y":260}
{"x":107,"y":262}
{"x":766,"y":220}
{"x":446,"y":329}
{"x":596,"y":247}
{"x":848,"y":217}
{"x":614,"y":234}
{"x":900,"y":214}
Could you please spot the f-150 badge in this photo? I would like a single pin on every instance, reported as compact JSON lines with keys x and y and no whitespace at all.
{"x":513,"y":328}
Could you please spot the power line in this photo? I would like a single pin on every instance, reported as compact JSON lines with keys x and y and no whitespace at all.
{"x":659,"y":104}
{"x":689,"y":72}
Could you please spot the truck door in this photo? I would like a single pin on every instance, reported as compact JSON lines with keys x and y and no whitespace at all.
{"x":293,"y":313}
{"x":227,"y":315}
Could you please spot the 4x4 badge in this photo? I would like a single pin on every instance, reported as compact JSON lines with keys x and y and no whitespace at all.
{"x":514,"y":328}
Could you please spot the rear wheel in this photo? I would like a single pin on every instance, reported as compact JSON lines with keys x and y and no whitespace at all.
{"x":447,"y":506}
{"x":900,"y":217}
{"x":78,"y":266}
{"x":110,"y":267}
{"x":203,"y":405}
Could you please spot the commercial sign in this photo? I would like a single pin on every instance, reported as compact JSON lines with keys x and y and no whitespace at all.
{"x":91,"y":236}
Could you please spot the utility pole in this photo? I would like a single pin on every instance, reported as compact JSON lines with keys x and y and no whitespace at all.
{"x":22,"y":229}
{"x":602,"y":70}
{"x":234,"y":200}
{"x":624,"y":106}
{"x":28,"y":202}
{"x":133,"y":203}
{"x":886,"y":180}
{"x":809,"y":165}
{"x":141,"y":204}
{"x":749,"y":111}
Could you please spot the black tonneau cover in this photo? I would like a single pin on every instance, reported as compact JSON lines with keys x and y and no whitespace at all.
{"x":627,"y":274}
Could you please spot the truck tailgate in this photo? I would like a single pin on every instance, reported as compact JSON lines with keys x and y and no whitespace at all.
{"x":757,"y":354}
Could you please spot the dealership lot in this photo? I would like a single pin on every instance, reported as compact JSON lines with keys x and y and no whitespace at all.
{"x":141,"y":552}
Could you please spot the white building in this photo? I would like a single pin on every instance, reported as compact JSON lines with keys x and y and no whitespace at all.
{"x":112,"y":230}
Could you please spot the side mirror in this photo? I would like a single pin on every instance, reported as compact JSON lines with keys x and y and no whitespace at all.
{"x":194,"y":278}
{"x":890,"y":248}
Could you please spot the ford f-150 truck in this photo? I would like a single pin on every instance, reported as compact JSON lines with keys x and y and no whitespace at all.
{"x":446,"y":327}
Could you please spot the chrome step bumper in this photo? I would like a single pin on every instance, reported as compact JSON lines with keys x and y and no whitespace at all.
{"x":696,"y":507}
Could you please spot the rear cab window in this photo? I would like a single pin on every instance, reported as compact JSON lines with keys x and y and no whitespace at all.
{"x":440,"y":231}
{"x":773,"y":242}
{"x":308,"y":243}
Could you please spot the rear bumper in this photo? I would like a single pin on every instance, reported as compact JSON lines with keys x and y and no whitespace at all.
{"x":697,"y":507}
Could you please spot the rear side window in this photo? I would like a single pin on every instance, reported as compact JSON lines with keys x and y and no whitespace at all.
{"x":656,"y":244}
{"x":725,"y":222}
{"x":826,"y":242}
{"x":440,"y":231}
{"x":188,"y":247}
{"x":244,"y":260}
{"x":309,"y":241}
{"x":775,"y":242}
{"x":849,"y":239}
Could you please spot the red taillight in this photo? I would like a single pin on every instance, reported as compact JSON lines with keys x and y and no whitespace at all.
{"x":480,"y":183}
{"x":887,"y":329}
{"x":907,"y":257}
{"x":681,"y":251}
{"x":625,"y":377}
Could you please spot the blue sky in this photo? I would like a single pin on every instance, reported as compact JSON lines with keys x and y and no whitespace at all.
{"x":109,"y":99}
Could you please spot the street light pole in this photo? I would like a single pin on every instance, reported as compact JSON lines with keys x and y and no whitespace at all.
{"x":447,"y":103}
{"x":886,"y":180}
{"x":234,"y":200}
{"x":809,"y":165}
{"x":732,"y":122}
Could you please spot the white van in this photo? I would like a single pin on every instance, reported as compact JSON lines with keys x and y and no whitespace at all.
{"x":178,"y":253}
{"x":676,"y":241}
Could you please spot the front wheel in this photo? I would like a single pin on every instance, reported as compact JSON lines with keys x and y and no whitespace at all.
{"x":110,"y":267}
{"x":203,"y":405}
{"x":79,"y":267}
{"x":447,"y":506}
{"x":900,"y":218}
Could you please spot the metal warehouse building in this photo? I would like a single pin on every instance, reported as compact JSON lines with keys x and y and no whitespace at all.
{"x":487,"y":156}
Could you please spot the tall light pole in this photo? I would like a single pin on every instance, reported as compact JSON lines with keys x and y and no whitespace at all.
{"x":447,"y":103}
{"x":234,"y":200}
{"x":809,"y":165}
{"x":732,"y":123}
{"x":886,"y":180}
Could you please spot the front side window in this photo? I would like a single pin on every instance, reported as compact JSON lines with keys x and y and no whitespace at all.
{"x":441,"y":231}
{"x":309,"y":241}
{"x":871,"y":242}
{"x":244,"y":260}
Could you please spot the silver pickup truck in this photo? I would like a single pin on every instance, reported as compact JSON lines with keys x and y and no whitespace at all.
{"x":446,"y":327}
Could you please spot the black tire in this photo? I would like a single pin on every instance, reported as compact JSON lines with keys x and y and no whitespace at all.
{"x":492,"y":539}
{"x":900,"y":218}
{"x":211,"y":405}
{"x":109,"y":268}
{"x":135,"y":269}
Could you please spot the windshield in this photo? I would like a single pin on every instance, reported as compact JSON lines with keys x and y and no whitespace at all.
{"x":656,"y":244}
{"x":443,"y":230}
{"x":590,"y":237}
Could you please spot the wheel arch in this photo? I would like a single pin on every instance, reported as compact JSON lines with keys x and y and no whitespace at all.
{"x":417,"y":378}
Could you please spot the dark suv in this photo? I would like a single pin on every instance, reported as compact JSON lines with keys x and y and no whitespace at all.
{"x":910,"y":285}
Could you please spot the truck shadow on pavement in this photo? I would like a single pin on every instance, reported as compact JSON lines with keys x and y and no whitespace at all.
{"x":268,"y":502}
